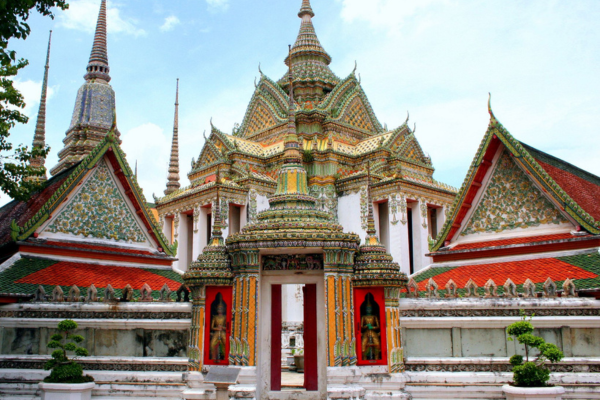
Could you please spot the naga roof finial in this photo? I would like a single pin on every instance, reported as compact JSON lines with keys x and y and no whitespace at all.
{"x":355,"y":66}
{"x":414,"y":128}
{"x":492,"y":116}
{"x":260,"y":70}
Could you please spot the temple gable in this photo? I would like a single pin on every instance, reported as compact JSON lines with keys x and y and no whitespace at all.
{"x":411,"y":149}
{"x":356,"y":115}
{"x":510,"y":202}
{"x":98,"y":210}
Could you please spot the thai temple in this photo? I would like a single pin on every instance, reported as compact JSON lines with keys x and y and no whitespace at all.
{"x":312,"y":256}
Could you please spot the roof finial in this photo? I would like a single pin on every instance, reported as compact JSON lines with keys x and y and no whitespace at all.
{"x":407,"y":117}
{"x":492,"y":116}
{"x":355,"y":66}
{"x":39,"y":138}
{"x":173,"y":176}
{"x":98,"y":65}
{"x":306,"y":9}
{"x":136,"y":176}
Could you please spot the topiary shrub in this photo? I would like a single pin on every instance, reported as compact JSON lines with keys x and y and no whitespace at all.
{"x":531,"y":373}
{"x":65,"y":369}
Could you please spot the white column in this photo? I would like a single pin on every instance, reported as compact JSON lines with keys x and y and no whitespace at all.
{"x":168,"y":229}
{"x":420,"y":235}
{"x":398,"y":237}
{"x":196,"y":245}
{"x":243,"y":216}
{"x":183,"y":239}
{"x":202,"y":231}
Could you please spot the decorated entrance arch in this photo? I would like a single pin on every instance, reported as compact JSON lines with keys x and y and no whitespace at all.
{"x":293,"y":224}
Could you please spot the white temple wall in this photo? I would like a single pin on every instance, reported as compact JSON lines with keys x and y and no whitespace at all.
{"x":349,"y":214}
{"x":262,"y":203}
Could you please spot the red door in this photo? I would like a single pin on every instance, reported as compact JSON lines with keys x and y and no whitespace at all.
{"x":311,"y":376}
{"x":275,"y":337}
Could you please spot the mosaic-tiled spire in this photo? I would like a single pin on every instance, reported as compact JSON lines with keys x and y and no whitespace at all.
{"x":173,"y":177}
{"x":213,"y":266}
{"x":374,"y":266}
{"x":291,"y":179}
{"x":311,"y":74}
{"x":97,"y":67}
{"x":39,"y":139}
{"x":217,"y":231}
{"x":95,"y":108}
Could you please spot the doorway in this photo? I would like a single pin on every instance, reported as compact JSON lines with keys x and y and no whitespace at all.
{"x":275,"y":380}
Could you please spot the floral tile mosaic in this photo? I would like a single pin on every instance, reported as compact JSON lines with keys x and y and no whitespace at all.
{"x":99,"y":210}
{"x":511,"y":202}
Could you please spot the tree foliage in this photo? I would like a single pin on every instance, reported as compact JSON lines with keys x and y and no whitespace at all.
{"x":531,"y":373}
{"x":63,"y":369}
{"x":14,"y":161}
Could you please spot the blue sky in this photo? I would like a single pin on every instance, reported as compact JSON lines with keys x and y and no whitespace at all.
{"x":437,"y":59}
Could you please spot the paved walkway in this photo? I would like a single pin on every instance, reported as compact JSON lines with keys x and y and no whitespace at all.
{"x":292,"y":379}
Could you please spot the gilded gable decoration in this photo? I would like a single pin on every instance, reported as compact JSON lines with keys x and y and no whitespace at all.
{"x":525,"y":207}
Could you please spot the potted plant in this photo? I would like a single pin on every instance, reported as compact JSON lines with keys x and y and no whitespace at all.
{"x":66,"y":379}
{"x":299,"y":360}
{"x":530,"y":378}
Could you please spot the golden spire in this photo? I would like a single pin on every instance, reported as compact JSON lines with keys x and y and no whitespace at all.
{"x":173,"y":176}
{"x":39,"y":139}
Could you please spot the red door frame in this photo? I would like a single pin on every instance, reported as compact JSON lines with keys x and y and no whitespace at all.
{"x":311,"y":373}
{"x":359,"y":296}
{"x":276,"y":338}
{"x":211,"y":295}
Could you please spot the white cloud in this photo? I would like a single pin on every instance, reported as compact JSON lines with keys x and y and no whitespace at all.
{"x":217,"y":5}
{"x":31,"y":91}
{"x":83,"y":14}
{"x":150,"y":146}
{"x":170,"y":23}
{"x":439,"y":59}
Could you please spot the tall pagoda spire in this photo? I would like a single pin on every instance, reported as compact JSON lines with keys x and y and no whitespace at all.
{"x":95,"y":108}
{"x":97,"y":67}
{"x":173,"y":177}
{"x":311,"y":74}
{"x":39,"y":139}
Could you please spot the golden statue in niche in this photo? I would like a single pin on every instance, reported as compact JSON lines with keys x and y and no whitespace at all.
{"x":218,"y":329}
{"x":369,"y":328}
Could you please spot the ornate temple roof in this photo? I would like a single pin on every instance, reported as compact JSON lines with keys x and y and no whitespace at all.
{"x":19,"y":220}
{"x":568,"y":186}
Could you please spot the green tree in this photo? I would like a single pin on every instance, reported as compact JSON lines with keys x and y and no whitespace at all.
{"x":14,"y":161}
{"x":531,"y":373}
{"x":63,"y":369}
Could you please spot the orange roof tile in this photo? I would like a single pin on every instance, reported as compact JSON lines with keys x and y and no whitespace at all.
{"x":537,"y":270}
{"x":66,"y":273}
